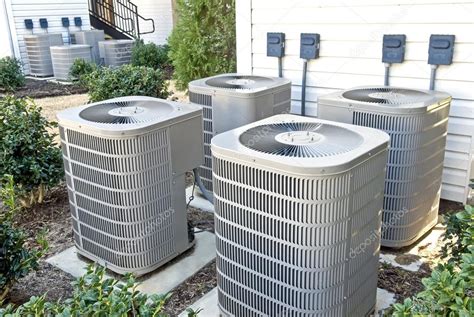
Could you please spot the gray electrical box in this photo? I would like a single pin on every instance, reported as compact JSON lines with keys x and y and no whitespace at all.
{"x":441,"y":49}
{"x":393,"y":48}
{"x":309,"y":45}
{"x":276,"y":44}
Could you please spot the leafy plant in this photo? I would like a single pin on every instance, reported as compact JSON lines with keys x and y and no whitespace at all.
{"x":203,"y":41}
{"x":16,"y":260}
{"x":11,"y":75}
{"x":95,"y":295}
{"x":126,"y":80}
{"x":28,"y":151}
{"x":80,"y":68}
{"x":448,"y":292}
{"x":150,"y":55}
{"x":459,"y":234}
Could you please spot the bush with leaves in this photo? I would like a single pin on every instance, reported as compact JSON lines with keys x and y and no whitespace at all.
{"x":459,"y":234}
{"x":80,"y":68}
{"x":11,"y":75}
{"x":150,"y":55}
{"x":449,"y":291}
{"x":203,"y":43}
{"x":95,"y":295}
{"x":28,"y":151}
{"x":126,"y":80}
{"x":16,"y":260}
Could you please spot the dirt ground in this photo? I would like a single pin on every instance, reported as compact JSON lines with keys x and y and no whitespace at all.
{"x":35,"y":88}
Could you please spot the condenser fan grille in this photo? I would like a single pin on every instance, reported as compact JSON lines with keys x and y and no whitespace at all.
{"x":301,"y":139}
{"x":387,"y":95}
{"x":239,"y":82}
{"x":126,"y":112}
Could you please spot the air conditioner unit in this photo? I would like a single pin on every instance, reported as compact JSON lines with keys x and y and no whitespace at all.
{"x":230,"y":101}
{"x":89,"y":37}
{"x":298,"y":207}
{"x":416,"y":121}
{"x":64,"y":56}
{"x":39,"y":56}
{"x":116,"y":52}
{"x":125,"y":161}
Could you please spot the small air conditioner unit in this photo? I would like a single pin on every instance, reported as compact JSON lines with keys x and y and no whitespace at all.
{"x":39,"y":56}
{"x":298,"y":207}
{"x":89,"y":37}
{"x":116,"y":52}
{"x":64,"y":56}
{"x":230,"y":101}
{"x":125,"y":161}
{"x":416,"y":121}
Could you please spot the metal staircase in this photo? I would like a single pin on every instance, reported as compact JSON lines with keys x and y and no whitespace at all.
{"x":118,"y":18}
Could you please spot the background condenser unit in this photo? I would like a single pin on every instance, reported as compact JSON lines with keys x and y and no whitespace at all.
{"x":298,"y":205}
{"x":416,"y":121}
{"x":116,"y":52}
{"x":125,"y":161}
{"x":89,"y":37}
{"x":64,"y":56}
{"x":230,"y":101}
{"x":38,"y":52}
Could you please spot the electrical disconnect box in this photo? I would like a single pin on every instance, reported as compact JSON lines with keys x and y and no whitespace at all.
{"x":393,"y":48}
{"x":276,"y":44}
{"x":441,"y":49}
{"x":43,"y":23}
{"x":309,"y":45}
{"x":77,"y":21}
{"x":29,"y":24}
{"x":65,"y":22}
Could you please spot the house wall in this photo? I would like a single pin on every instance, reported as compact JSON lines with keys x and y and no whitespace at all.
{"x":351,"y":46}
{"x":161,"y":12}
{"x":6,"y":48}
{"x":53,"y":10}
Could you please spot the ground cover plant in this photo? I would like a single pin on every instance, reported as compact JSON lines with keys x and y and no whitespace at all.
{"x":449,"y":291}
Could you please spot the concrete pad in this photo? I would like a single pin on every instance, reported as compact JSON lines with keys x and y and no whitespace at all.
{"x":418,"y":252}
{"x":208,"y":303}
{"x":384,"y":300}
{"x":168,"y":277}
{"x":161,"y":281}
{"x":199,"y":201}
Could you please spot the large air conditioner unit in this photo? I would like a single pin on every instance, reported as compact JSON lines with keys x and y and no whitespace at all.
{"x":116,"y":52}
{"x":39,"y":56}
{"x":89,"y":37}
{"x":416,"y":121}
{"x":125,"y":161}
{"x":298,"y":205}
{"x":230,"y":101}
{"x":64,"y":56}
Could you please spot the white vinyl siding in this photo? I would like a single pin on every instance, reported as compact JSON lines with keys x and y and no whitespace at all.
{"x":351,"y":47}
{"x":162,"y":13}
{"x":53,"y":10}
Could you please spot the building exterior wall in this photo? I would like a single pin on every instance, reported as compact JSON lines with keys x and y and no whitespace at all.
{"x":53,"y":10}
{"x":351,"y":46}
{"x":161,"y":11}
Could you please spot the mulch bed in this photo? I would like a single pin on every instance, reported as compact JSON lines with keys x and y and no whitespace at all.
{"x":43,"y":88}
{"x":402,"y":282}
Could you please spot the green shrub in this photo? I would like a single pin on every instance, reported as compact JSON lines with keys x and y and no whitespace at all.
{"x":459,"y":234}
{"x":448,"y":292}
{"x":80,"y":68}
{"x":11,"y":75}
{"x":94,"y":295}
{"x":203,"y":41}
{"x":27,"y":150}
{"x":150,"y":55}
{"x":126,"y":80}
{"x":16,"y":260}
